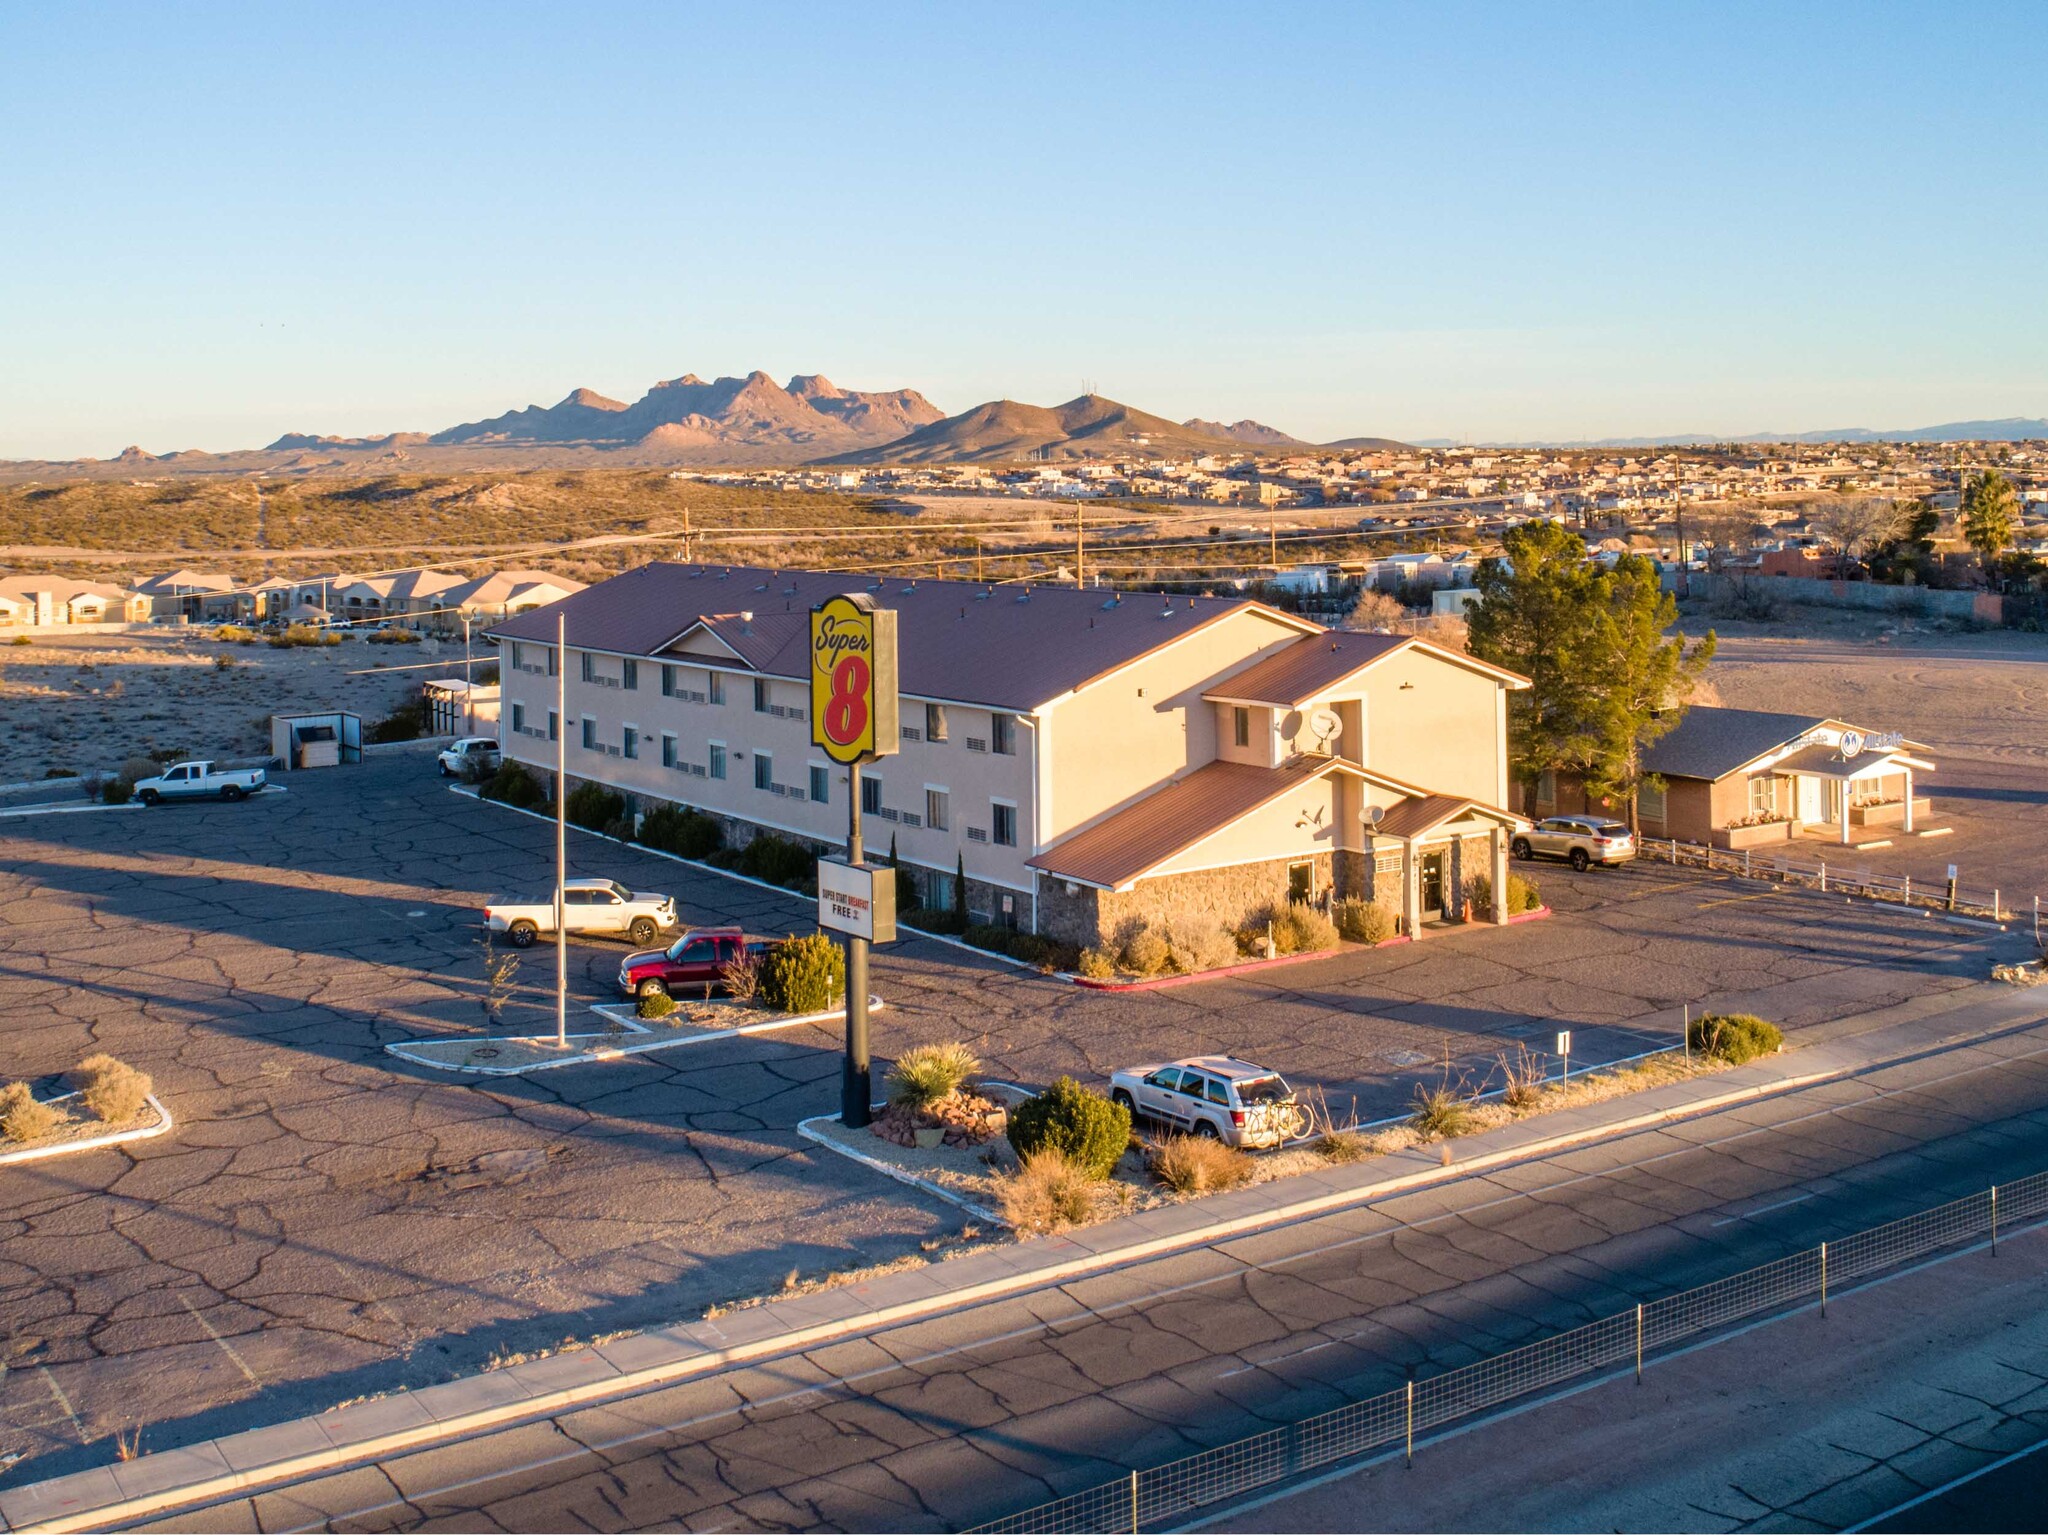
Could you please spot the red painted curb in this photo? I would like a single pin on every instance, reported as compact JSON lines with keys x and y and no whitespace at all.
{"x":1529,"y":916}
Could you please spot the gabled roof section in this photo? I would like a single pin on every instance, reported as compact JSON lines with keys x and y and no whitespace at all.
{"x":1316,"y":664}
{"x":1004,"y":647}
{"x":1711,"y":743}
{"x":1420,"y":817}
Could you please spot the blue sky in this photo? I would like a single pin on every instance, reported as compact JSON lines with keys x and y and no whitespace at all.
{"x":225,"y":222}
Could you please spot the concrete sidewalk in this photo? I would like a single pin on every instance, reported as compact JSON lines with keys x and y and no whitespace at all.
{"x":368,"y":1430}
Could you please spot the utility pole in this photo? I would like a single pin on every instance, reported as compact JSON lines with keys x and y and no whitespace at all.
{"x":1080,"y":548}
{"x":686,"y":532}
{"x":561,"y":831}
{"x":977,"y":557}
{"x":1273,"y":536}
{"x":468,"y":683}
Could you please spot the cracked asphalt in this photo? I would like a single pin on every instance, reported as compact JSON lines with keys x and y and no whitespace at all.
{"x":327,"y":1221}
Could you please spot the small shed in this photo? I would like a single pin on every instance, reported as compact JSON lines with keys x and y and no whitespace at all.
{"x":327,"y":739}
{"x":459,"y":708}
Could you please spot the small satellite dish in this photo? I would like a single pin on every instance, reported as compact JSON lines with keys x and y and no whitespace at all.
{"x":1852,"y":745}
{"x":1372,"y":814}
{"x":1325,"y":725}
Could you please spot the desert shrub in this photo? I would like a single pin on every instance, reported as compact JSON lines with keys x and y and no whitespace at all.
{"x":223,"y":662}
{"x":302,"y":635}
{"x":1440,"y":1112}
{"x":1049,"y":1192}
{"x":1194,"y":1164}
{"x":112,"y":1089}
{"x":393,"y":637}
{"x":1341,"y":1146}
{"x":594,"y":807}
{"x":1522,"y":894}
{"x":512,"y":784}
{"x":987,"y":935}
{"x":22,"y":639}
{"x":408,"y":722}
{"x":235,"y":634}
{"x":1299,"y":929}
{"x":927,"y":1073}
{"x":116,"y":791}
{"x":778,"y":861}
{"x":1146,"y":952}
{"x":1735,"y":1037}
{"x":937,"y":919}
{"x":1096,"y":964}
{"x":1363,"y":921}
{"x":803,"y":975}
{"x":136,"y":768}
{"x":1192,"y":947}
{"x":1077,"y":1123}
{"x":22,"y":1117}
{"x":741,"y":978}
{"x":1523,"y":1076}
{"x":655,"y":1004}
{"x":679,"y":829}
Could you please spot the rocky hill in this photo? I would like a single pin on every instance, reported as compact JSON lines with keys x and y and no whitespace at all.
{"x":1007,"y":431}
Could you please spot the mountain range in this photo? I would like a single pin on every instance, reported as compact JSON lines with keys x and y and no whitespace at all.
{"x":2004,"y":429}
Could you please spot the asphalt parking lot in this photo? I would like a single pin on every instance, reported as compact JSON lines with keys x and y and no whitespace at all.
{"x":327,"y":1221}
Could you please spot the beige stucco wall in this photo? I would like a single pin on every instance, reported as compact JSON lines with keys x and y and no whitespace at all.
{"x":1271,"y":832}
{"x":1442,"y":732}
{"x":1110,"y":743}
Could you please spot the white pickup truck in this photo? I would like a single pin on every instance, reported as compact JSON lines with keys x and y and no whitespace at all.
{"x":199,"y":780}
{"x":599,"y":906}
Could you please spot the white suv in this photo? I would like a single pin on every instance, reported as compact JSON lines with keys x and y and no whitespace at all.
{"x":1215,"y":1096}
{"x":1580,"y":840}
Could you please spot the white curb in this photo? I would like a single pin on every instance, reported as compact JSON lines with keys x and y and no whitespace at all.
{"x":118,"y":1138}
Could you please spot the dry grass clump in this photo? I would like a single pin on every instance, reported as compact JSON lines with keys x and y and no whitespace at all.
{"x":1296,"y":929}
{"x":1193,"y":947}
{"x":1364,"y":921}
{"x":1441,"y":1112}
{"x":1195,"y":1164}
{"x":1342,"y":1146}
{"x":1146,"y":952}
{"x":22,"y":1117}
{"x":1050,"y":1191}
{"x":1096,"y":964}
{"x":113,"y":1090}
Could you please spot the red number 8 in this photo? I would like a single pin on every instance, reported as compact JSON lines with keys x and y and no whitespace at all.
{"x":846,"y":715}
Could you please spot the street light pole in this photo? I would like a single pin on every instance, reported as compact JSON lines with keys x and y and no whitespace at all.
{"x":468,"y":684}
{"x":561,"y":831}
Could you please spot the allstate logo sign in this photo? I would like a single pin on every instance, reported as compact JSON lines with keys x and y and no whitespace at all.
{"x":853,"y":679}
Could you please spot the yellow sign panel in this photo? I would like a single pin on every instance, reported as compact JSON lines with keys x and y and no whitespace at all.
{"x":853,"y":679}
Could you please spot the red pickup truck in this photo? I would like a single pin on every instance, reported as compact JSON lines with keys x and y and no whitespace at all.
{"x":694,"y":961}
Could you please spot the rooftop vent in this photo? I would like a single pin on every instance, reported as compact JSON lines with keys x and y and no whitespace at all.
{"x":746,"y":617}
{"x":1115,"y":602}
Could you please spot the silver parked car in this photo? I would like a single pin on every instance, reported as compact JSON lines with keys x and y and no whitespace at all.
{"x":1217,"y":1096}
{"x":1580,"y":840}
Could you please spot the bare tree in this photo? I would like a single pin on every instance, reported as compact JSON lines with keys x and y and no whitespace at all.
{"x":1731,"y":530}
{"x":1374,"y":610}
{"x":1856,"y":524}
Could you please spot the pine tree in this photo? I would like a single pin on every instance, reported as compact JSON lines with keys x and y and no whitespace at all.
{"x":1990,"y":515}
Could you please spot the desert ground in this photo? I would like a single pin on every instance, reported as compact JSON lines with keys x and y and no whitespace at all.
{"x":85,"y":703}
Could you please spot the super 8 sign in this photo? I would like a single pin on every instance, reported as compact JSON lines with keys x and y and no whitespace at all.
{"x":853,"y":679}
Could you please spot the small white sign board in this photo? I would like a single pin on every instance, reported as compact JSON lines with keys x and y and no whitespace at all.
{"x":859,"y":899}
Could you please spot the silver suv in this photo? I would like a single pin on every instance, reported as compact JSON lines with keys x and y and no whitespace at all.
{"x":1580,"y":840}
{"x":1216,"y":1096}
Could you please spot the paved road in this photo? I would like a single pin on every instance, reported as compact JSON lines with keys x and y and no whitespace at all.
{"x":2011,"y":1498}
{"x":958,"y":1419}
{"x":327,"y":1221}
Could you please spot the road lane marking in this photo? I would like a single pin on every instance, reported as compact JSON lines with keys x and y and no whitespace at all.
{"x":225,"y":1346}
{"x":1764,"y":1209}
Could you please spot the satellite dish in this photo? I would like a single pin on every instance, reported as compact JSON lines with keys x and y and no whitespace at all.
{"x":1372,"y":814}
{"x":1852,"y":744}
{"x":1325,"y":725}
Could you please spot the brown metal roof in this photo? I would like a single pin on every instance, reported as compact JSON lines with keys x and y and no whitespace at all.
{"x":1140,"y":837}
{"x":1418,"y":817}
{"x":1007,"y":647}
{"x":1314,"y":665}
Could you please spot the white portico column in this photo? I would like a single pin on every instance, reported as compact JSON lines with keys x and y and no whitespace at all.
{"x":1909,"y":800}
{"x":1497,"y":846}
{"x":1411,"y":888}
{"x":1842,"y":802}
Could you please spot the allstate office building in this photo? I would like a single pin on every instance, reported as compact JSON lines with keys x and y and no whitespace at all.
{"x":1085,"y":756}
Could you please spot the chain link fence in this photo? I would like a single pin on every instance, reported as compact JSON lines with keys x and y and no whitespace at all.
{"x":1167,"y":1494}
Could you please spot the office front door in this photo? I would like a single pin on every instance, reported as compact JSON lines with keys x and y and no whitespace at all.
{"x":1432,"y":884}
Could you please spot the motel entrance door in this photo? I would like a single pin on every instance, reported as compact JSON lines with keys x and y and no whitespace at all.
{"x":1432,"y":880}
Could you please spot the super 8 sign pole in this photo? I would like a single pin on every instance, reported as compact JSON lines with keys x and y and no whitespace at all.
{"x":853,"y":720}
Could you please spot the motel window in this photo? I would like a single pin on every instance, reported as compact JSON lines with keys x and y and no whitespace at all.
{"x":935,"y":722}
{"x":668,"y":750}
{"x":870,"y":794}
{"x":519,"y":719}
{"x":1650,"y":803}
{"x":668,"y":682}
{"x":589,"y":667}
{"x":1241,"y":725}
{"x":554,"y":662}
{"x":1546,"y":787}
{"x":821,"y":784}
{"x":1763,"y":795}
{"x":589,"y":734}
{"x":554,"y":726}
{"x":1003,"y":821}
{"x":629,"y":743}
{"x":760,"y":695}
{"x":715,"y":688}
{"x":629,"y":676}
{"x":764,"y":771}
{"x":716,"y":763}
{"x":938,"y":811}
{"x":1002,"y":737}
{"x":518,"y":656}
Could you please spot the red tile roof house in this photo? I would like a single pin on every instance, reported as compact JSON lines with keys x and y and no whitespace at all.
{"x":1090,"y":756}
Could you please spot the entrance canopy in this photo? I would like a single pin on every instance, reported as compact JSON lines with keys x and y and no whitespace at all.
{"x":1823,"y":761}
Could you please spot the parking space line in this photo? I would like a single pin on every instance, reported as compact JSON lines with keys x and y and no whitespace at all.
{"x":63,"y":1401}
{"x":1737,"y":900}
{"x":1763,"y":1210}
{"x":225,"y":1347}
